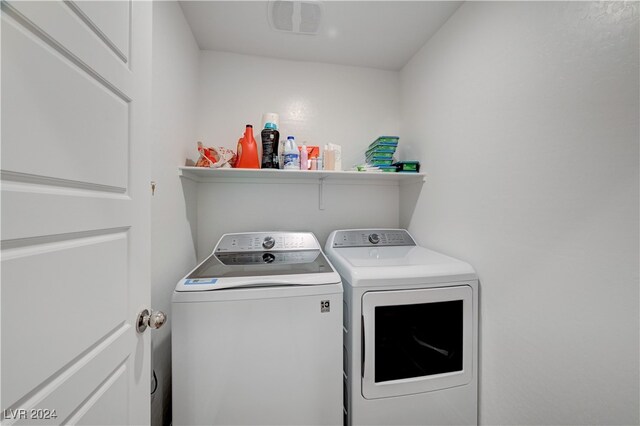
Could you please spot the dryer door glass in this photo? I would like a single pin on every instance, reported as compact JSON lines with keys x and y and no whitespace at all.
{"x":418,"y":340}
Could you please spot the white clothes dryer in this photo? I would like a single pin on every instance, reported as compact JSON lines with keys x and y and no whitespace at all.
{"x":257,"y":335}
{"x":410,"y":330}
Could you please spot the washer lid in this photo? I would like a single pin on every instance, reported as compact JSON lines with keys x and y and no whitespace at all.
{"x":253,"y":269}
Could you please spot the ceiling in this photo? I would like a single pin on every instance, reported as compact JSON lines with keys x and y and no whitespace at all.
{"x":376,"y":34}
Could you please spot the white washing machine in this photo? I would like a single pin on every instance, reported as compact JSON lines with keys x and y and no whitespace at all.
{"x":257,"y":335}
{"x":410,"y":330}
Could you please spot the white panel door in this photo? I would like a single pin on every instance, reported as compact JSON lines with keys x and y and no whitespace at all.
{"x":75,"y":212}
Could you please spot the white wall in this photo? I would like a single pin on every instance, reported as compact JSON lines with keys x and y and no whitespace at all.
{"x":291,"y":206}
{"x":175,"y":86}
{"x":525,"y":118}
{"x":319,"y":103}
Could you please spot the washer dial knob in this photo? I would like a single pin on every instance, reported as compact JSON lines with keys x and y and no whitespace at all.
{"x":268,"y":243}
{"x":374,"y":238}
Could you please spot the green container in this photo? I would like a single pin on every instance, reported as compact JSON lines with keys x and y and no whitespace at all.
{"x":388,"y":169}
{"x":388,"y":139}
{"x":378,"y":145}
{"x":385,"y":141}
{"x":380,"y":162}
{"x":380,"y":154}
{"x":408,"y":166}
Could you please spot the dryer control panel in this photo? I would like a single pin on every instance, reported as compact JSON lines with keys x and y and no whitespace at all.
{"x":372,"y":237}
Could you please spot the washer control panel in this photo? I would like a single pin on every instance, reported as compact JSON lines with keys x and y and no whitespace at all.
{"x":372,"y":237}
{"x":267,"y":241}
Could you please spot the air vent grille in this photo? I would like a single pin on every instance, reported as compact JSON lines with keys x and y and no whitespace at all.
{"x":298,"y":17}
{"x":282,"y":15}
{"x":310,"y":14}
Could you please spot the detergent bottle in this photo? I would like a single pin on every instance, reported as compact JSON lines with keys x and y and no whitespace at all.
{"x":291,"y":154}
{"x":248,"y":151}
{"x":270,"y":140}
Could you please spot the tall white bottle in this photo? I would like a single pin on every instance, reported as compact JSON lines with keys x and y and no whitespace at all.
{"x":291,"y":154}
{"x":304,"y":157}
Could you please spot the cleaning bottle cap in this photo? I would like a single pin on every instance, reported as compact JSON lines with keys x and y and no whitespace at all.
{"x":271,"y":117}
{"x":249,"y":125}
{"x":271,"y":126}
{"x":290,"y":137}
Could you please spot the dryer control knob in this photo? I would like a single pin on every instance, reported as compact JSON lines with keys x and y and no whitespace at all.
{"x":374,"y":239}
{"x":268,"y":242}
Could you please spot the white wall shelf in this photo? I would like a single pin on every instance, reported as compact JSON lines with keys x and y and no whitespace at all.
{"x":202,"y":174}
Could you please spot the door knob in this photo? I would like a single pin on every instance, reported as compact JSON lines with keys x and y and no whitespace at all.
{"x":153,"y":319}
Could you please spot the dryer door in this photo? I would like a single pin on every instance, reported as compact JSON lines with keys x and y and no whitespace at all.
{"x":416,"y":340}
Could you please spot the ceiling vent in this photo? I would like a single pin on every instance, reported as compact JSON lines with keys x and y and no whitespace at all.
{"x":298,"y":17}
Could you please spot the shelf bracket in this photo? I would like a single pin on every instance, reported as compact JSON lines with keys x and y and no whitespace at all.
{"x":321,"y":193}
